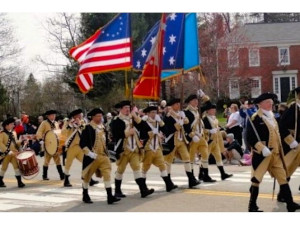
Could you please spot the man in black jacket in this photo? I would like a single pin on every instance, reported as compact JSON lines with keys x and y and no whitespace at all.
{"x":264,"y":138}
{"x":128,"y":148}
{"x":95,"y":160}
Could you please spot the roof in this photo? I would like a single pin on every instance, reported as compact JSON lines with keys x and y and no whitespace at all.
{"x":268,"y":33}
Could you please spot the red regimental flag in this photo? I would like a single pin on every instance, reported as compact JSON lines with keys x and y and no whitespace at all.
{"x":148,"y":84}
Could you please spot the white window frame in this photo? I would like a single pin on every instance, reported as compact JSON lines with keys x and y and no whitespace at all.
{"x":237,"y":93}
{"x":256,"y":78}
{"x":251,"y":50}
{"x":292,"y":74}
{"x":236,"y":54}
{"x":288,"y":56}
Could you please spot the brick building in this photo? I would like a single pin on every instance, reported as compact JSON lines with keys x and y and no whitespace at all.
{"x":259,"y":58}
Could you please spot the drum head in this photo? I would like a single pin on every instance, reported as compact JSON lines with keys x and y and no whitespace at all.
{"x":25,"y":155}
{"x":51,"y":142}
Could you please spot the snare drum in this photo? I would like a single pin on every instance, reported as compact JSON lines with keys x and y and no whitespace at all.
{"x":27,"y":164}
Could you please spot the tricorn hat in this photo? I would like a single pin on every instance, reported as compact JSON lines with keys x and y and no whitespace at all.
{"x":264,"y":96}
{"x":49,"y":112}
{"x":95,"y":111}
{"x":150,"y":108}
{"x":190,"y":98}
{"x":173,"y":101}
{"x":8,"y":121}
{"x":74,"y":113}
{"x":207,"y":106}
{"x":122,"y":104}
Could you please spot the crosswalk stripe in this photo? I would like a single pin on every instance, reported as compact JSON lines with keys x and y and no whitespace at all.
{"x":5,"y":205}
{"x":34,"y":197}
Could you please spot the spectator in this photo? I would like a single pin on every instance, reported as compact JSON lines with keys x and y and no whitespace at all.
{"x":282,"y":108}
{"x":226,"y":112}
{"x":233,"y":125}
{"x":19,"y":128}
{"x":233,"y":150}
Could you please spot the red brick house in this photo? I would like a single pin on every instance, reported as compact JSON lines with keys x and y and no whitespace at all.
{"x":259,"y":58}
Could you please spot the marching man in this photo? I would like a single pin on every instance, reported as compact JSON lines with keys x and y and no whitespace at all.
{"x":8,"y":150}
{"x":151,"y":137}
{"x":48,"y":125}
{"x":95,"y":160}
{"x":264,"y":138}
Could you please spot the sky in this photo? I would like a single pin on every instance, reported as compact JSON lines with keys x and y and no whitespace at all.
{"x":27,"y":17}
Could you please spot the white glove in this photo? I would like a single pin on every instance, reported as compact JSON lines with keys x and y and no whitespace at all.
{"x":10,"y":153}
{"x":182,"y":114}
{"x":92,"y":155}
{"x":200,"y":93}
{"x":145,"y":117}
{"x":157,"y":118}
{"x":294,"y":144}
{"x":196,"y":139}
{"x":180,"y":122}
{"x":213,"y":131}
{"x":155,"y":131}
{"x":266,"y":152}
{"x":41,"y":143}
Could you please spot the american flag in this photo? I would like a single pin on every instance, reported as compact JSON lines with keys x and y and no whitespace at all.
{"x":85,"y":82}
{"x":173,"y":44}
{"x":109,"y":49}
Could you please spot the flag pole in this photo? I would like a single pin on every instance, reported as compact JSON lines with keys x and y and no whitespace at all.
{"x":182,"y":89}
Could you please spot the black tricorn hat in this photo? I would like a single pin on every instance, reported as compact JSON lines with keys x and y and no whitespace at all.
{"x":173,"y":101}
{"x":122,"y":103}
{"x":190,"y":98}
{"x":8,"y":121}
{"x":207,"y":106}
{"x":74,"y":113}
{"x":251,"y":101}
{"x":264,"y":96}
{"x":150,"y":108}
{"x":49,"y":112}
{"x":95,"y":111}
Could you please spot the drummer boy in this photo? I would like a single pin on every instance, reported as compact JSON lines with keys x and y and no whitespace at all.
{"x":49,"y":125}
{"x":8,"y":150}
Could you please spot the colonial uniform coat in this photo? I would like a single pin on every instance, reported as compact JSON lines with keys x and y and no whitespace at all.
{"x":152,"y":144}
{"x":128,"y":148}
{"x":175,"y":138}
{"x":215,"y":140}
{"x":9,"y":147}
{"x":196,"y":127}
{"x":93,"y":139}
{"x":268,"y":132}
{"x":287,"y":126}
{"x":45,"y":126}
{"x":72,"y":133}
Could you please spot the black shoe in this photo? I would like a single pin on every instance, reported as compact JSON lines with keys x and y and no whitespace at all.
{"x":20,"y":183}
{"x":280,"y":198}
{"x":254,"y":208}
{"x":192,"y":180}
{"x":67,"y":182}
{"x":293,"y":207}
{"x":93,"y":182}
{"x":2,"y":184}
{"x":225,"y":176}
{"x":120,"y":195}
{"x":86,"y":198}
{"x":118,"y":192}
{"x":143,"y":187}
{"x":206,"y":177}
{"x":60,"y":172}
{"x":145,"y":193}
{"x":45,"y":173}
{"x":110,"y":198}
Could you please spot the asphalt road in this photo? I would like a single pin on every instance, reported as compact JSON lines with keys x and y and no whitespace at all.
{"x":231,"y":195}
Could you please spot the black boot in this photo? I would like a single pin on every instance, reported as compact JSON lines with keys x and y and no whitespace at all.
{"x":223,"y":174}
{"x":253,"y":197}
{"x":118,"y":192}
{"x":201,"y":174}
{"x":67,"y":182}
{"x":86,"y":198}
{"x":110,"y":198}
{"x":143,"y":188}
{"x":60,"y":171}
{"x":169,"y":185}
{"x":287,"y":195}
{"x":45,"y":173}
{"x":93,"y":182}
{"x":20,"y":183}
{"x":280,"y":198}
{"x":174,"y":186}
{"x":2,"y":184}
{"x":192,"y":180}
{"x":206,"y":177}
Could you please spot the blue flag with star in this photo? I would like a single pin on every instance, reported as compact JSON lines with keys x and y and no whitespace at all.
{"x":173,"y":49}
